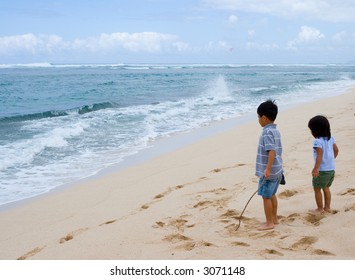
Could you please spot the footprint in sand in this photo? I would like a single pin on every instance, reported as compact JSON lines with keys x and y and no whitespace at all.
{"x":179,"y":224}
{"x":229,"y":216}
{"x":350,"y":208}
{"x":158,"y":196}
{"x":162,"y":195}
{"x":108,"y":222}
{"x":71,"y":235}
{"x":314,"y":219}
{"x":178,"y":187}
{"x":309,"y":219}
{"x":258,"y":235}
{"x":31,"y":253}
{"x":290,"y":218}
{"x":248,"y":225}
{"x":188,"y":246}
{"x":170,"y":190}
{"x":216,"y":191}
{"x":304,"y":243}
{"x":219,"y":203}
{"x":159,"y":224}
{"x":203,"y":204}
{"x":322,"y":252}
{"x":217,"y":170}
{"x":144,"y":206}
{"x":287,"y":194}
{"x":238,"y":243}
{"x":349,"y":191}
{"x":176,"y":237}
{"x":271,"y":252}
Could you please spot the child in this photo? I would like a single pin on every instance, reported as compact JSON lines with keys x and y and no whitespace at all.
{"x":269,"y":162}
{"x":324,"y":152}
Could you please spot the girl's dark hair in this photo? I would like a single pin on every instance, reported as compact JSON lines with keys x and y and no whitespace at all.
{"x":320,"y":127}
{"x":268,"y":109}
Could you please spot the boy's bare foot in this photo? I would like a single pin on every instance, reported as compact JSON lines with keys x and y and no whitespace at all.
{"x":266,"y":226}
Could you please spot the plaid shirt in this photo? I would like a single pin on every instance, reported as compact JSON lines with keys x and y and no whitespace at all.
{"x":270,"y":139}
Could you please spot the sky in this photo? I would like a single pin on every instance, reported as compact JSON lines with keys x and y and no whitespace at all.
{"x":177,"y":31}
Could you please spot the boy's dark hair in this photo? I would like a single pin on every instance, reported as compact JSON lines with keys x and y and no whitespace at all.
{"x":320,"y":127}
{"x":268,"y":109}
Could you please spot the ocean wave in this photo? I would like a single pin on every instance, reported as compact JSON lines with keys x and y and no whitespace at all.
{"x":26,"y":65}
{"x":96,"y":107}
{"x":60,"y":113}
{"x":153,"y":66}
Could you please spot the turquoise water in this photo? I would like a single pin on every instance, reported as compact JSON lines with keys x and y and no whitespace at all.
{"x":62,"y":123}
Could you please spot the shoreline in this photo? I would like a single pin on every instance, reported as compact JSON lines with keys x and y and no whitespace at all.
{"x":184,"y":203}
{"x":158,"y":147}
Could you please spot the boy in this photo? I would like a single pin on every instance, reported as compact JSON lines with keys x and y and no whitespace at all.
{"x":269,"y":162}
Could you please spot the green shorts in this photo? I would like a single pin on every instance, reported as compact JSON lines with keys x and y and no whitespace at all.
{"x":325,"y":179}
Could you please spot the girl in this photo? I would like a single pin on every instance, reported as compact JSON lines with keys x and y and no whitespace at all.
{"x":324,"y":152}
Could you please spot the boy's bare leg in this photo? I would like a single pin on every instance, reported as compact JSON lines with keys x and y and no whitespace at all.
{"x":275,"y":219}
{"x":319,"y":200}
{"x":268,"y":209}
{"x":327,"y":199}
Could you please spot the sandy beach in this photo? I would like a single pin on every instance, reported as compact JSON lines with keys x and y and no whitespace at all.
{"x":185,"y":204}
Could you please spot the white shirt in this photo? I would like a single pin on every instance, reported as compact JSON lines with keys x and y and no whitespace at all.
{"x":328,"y":162}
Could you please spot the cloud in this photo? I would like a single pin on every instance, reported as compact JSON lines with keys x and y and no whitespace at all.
{"x":340,"y":36}
{"x":307,"y":34}
{"x":251,"y":33}
{"x":30,"y":43}
{"x":326,"y":10}
{"x":181,"y":46}
{"x":150,"y":42}
{"x":261,"y":47}
{"x":145,"y":41}
{"x":232,"y":19}
{"x":217,"y":46}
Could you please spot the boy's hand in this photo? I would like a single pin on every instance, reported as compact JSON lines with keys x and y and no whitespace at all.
{"x":270,"y":162}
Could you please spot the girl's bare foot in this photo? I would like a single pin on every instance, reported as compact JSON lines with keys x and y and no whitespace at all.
{"x":317,"y":211}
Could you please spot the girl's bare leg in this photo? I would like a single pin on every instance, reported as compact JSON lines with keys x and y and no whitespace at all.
{"x":327,"y":199}
{"x":319,"y":200}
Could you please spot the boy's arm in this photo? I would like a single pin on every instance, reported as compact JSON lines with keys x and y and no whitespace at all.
{"x":315,"y":171}
{"x":270,"y":161}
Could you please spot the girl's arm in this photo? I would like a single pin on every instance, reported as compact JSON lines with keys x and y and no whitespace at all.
{"x":336,"y":150}
{"x":315,"y":171}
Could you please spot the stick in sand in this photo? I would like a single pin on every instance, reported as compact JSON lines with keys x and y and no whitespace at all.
{"x":245,"y":207}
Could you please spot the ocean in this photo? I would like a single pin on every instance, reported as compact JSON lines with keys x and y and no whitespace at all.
{"x":62,"y":123}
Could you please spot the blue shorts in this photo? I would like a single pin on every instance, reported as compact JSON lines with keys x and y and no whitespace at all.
{"x":268,"y":188}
